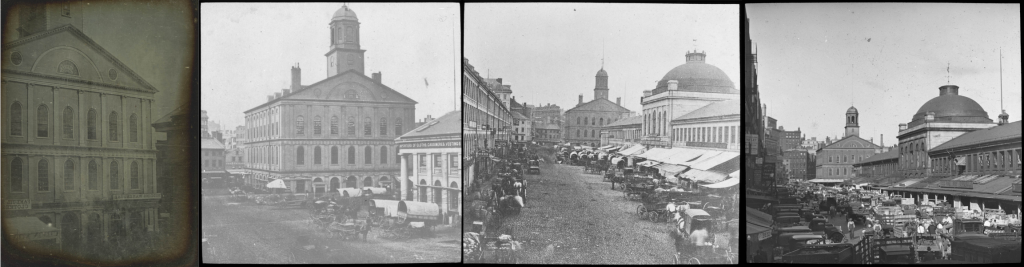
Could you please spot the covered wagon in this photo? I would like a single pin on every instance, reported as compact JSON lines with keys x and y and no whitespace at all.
{"x":382,"y":212}
{"x":415,"y":213}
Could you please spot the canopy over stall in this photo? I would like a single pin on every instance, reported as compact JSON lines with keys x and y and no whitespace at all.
{"x":350,"y":192}
{"x":636,"y":149}
{"x":703,"y":176}
{"x":277,"y":184}
{"x":419,"y":211}
{"x":734,"y":181}
{"x":375,"y":190}
{"x":389,"y":207}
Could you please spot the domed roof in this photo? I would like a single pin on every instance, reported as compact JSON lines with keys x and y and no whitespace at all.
{"x":697,"y":76}
{"x":851,"y":110}
{"x":344,"y":13}
{"x":602,"y":73}
{"x":949,"y":106}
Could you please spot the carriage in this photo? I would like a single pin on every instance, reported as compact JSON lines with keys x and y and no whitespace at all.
{"x":698,"y":233}
{"x":534,"y":167}
{"x":638,"y":187}
{"x":659,"y":205}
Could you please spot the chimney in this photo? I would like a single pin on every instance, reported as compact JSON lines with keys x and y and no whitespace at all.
{"x":618,"y":101}
{"x":376,"y":77}
{"x":903,"y":126}
{"x":296,"y":78}
{"x":881,"y":140}
{"x":277,"y":95}
{"x":1004,"y":118}
{"x":647,"y":93}
{"x":949,"y":90}
{"x":673,"y":85}
{"x":499,"y":80}
{"x":286,"y":91}
{"x":930,"y":116}
{"x":270,"y":98}
{"x":581,"y":101}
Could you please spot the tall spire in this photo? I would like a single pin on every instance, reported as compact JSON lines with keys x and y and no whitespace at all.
{"x":602,"y":54}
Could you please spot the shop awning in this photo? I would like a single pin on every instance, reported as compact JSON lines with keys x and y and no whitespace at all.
{"x":671,"y":168}
{"x":653,"y":153}
{"x":636,"y":149}
{"x":709,"y":162}
{"x":605,"y":147}
{"x":760,"y":231}
{"x":723,"y":184}
{"x":703,"y":176}
{"x":29,"y":228}
{"x":648,"y":163}
{"x":277,"y":184}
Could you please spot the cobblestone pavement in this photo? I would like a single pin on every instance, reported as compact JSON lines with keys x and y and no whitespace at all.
{"x":575,"y":218}
{"x":249,"y":233}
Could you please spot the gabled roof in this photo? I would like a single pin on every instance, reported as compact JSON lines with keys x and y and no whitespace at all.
{"x":91,"y":44}
{"x":888,"y":155}
{"x":626,"y":121}
{"x":519,"y":116}
{"x":548,"y":126}
{"x":599,"y":104}
{"x":210,"y":143}
{"x":1009,"y":131}
{"x":181,"y":110}
{"x":721,"y":108}
{"x":450,"y":123}
{"x":851,"y":142}
{"x":358,"y":75}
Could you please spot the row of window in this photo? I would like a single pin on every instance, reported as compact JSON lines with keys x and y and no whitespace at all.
{"x":300,"y":126}
{"x":592,"y":133}
{"x":845,"y":158}
{"x":655,"y":122}
{"x":300,"y":155}
{"x":1002,"y":160}
{"x":43,"y":175}
{"x":839,"y":171}
{"x":588,"y":120}
{"x":69,"y":123}
{"x":213,"y":163}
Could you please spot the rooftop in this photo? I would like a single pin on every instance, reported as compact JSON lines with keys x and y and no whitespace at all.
{"x":626,"y":121}
{"x":1009,"y":131}
{"x":450,"y":123}
{"x":210,"y":143}
{"x":721,"y":108}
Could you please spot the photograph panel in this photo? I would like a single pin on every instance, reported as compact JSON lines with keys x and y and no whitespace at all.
{"x":940,"y":185}
{"x":96,"y":154}
{"x":584,"y":162}
{"x":311,"y":155}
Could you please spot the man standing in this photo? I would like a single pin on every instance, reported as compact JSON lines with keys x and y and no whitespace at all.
{"x":850,"y":225}
{"x":988,"y":224}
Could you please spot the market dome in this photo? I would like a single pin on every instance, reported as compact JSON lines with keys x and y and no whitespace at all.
{"x":344,"y":13}
{"x":950,"y":106}
{"x":697,"y":76}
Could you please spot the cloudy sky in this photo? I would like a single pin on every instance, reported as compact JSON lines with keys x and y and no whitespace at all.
{"x":249,"y":49}
{"x":154,"y":39}
{"x":817,"y":60}
{"x":550,"y":53}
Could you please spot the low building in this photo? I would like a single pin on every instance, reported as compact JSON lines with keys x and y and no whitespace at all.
{"x":213,"y":159}
{"x":881,"y":168}
{"x":623,"y":132}
{"x":548,"y":134}
{"x":796,"y":160}
{"x":430,"y":165}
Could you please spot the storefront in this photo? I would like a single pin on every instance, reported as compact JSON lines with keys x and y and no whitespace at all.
{"x":431,"y":170}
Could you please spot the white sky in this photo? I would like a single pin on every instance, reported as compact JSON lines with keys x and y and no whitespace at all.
{"x":550,"y":53}
{"x":816,"y":60}
{"x":249,"y":49}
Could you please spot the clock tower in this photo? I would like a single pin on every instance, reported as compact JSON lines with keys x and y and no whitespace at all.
{"x":344,"y":54}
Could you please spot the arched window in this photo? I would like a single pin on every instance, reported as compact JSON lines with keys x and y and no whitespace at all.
{"x":135,"y":175}
{"x":334,"y":124}
{"x":351,"y":125}
{"x":398,"y":126}
{"x":577,"y":132}
{"x":352,"y":155}
{"x":300,"y":125}
{"x":383,"y":154}
{"x":334,"y":155}
{"x":94,"y":181}
{"x":316,"y":125}
{"x":601,"y":121}
{"x":453,"y":197}
{"x":300,"y":155}
{"x":68,"y":123}
{"x":42,"y":121}
{"x":577,"y":120}
{"x":593,"y":121}
{"x":366,"y":127}
{"x":16,"y":119}
{"x":115,"y":178}
{"x":592,"y":133}
{"x":17,"y":175}
{"x":584,"y":133}
{"x":44,"y":176}
{"x":586,"y":121}
{"x":367,"y":155}
{"x":69,"y":175}
{"x":113,"y":126}
{"x":383,"y":126}
{"x":133,"y":129}
{"x":316,"y":155}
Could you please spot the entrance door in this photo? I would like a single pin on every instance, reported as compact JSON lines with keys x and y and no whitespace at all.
{"x":300,"y":186}
{"x":71,"y":232}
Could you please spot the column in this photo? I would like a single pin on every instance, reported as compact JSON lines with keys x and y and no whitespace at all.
{"x":56,"y":133}
{"x":100,"y":120}
{"x":123,"y":123}
{"x":415,"y":175}
{"x":83,"y":121}
{"x":430,"y":177}
{"x":402,"y":177}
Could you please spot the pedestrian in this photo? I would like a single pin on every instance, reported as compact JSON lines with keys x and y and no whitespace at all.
{"x":850,"y":225}
{"x":987,"y":225}
{"x":920,"y":229}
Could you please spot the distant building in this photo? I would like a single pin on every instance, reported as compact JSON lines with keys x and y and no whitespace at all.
{"x":213,"y":159}
{"x":881,"y":168}
{"x":797,"y":160}
{"x":753,"y":121}
{"x":790,"y":139}
{"x":584,"y":121}
{"x":715,"y":126}
{"x":486,"y":121}
{"x":548,"y":134}
{"x":937,"y":121}
{"x":836,"y":160}
{"x":623,"y":132}
{"x":548,"y":114}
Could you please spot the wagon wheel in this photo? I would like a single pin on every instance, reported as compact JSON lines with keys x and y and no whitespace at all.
{"x":693,"y":261}
{"x":675,"y":259}
{"x":640,"y":209}
{"x":653,"y":216}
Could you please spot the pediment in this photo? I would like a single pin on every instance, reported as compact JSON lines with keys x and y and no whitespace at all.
{"x":852,"y":142}
{"x":350,"y":86}
{"x":65,"y":52}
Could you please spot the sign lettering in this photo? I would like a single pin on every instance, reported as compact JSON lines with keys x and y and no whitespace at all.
{"x":17,"y":204}
{"x":430,"y":144}
{"x":38,"y":236}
